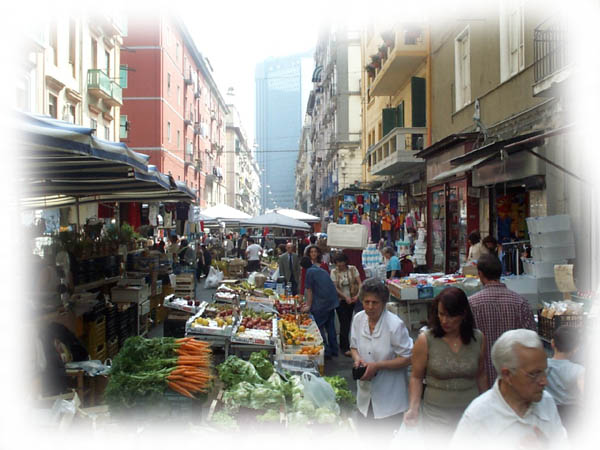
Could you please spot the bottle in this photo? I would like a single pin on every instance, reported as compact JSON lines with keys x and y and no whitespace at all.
{"x":288,"y":289}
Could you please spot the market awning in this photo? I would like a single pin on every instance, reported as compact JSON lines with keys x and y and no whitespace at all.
{"x":62,"y":162}
{"x":462,"y":168}
{"x":316,"y":76}
{"x":275,"y":220}
{"x":225,"y":213}
{"x":298,"y":215}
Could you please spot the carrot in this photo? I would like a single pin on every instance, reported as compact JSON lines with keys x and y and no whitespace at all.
{"x":191,"y":387}
{"x":177,"y":388}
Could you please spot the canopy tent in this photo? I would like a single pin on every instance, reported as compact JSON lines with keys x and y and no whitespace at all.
{"x":298,"y":215}
{"x":224,"y":213}
{"x":64,"y":163}
{"x":275,"y":220}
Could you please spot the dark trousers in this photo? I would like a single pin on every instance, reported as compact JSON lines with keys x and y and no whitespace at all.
{"x":344,"y":312}
{"x":294,"y":286}
{"x":253,"y":266}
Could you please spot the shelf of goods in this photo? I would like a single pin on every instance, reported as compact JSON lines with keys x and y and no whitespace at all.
{"x":561,"y":313}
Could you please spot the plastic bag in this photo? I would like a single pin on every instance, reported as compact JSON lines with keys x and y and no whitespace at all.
{"x":251,"y":278}
{"x":320,"y":392}
{"x":275,"y":274}
{"x":213,"y":278}
{"x":407,"y":434}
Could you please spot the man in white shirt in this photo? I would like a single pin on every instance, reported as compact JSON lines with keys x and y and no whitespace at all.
{"x":253,"y":253}
{"x":516,"y":412}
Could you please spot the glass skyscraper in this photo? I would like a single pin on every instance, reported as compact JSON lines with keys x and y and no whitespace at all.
{"x":282,"y":89}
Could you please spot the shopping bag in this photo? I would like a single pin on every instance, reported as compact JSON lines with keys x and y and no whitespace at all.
{"x":406,"y":434}
{"x":319,"y":391}
{"x":213,"y":278}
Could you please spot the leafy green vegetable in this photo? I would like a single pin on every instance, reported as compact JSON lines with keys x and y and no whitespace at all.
{"x":270,"y":416}
{"x":223,"y":419}
{"x":263,"y":397}
{"x":325,"y":416}
{"x":238,"y":395}
{"x":260,"y":360}
{"x":235,"y":370}
{"x":343,"y":395}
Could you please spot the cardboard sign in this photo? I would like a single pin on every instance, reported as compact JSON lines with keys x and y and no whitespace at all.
{"x":563,"y":275}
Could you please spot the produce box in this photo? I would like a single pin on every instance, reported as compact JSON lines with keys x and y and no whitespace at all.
{"x":395,"y":290}
{"x":211,"y":324}
{"x":181,"y":304}
{"x":255,"y":336}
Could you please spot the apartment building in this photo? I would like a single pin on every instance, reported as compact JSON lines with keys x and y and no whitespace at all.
{"x":305,"y":194}
{"x":173,"y":110}
{"x":242,"y":173}
{"x":334,"y":106}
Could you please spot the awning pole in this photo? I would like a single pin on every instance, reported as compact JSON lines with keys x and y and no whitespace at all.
{"x":543,"y":158}
{"x":77,"y":204}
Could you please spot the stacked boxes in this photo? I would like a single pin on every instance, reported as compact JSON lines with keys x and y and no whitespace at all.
{"x":185,"y":285}
{"x":95,"y":334}
{"x":552,"y":242}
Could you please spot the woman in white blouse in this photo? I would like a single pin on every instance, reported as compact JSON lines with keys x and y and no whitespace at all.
{"x":380,"y":342}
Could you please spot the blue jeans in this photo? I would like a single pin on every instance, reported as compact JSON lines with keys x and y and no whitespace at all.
{"x":327,"y":330}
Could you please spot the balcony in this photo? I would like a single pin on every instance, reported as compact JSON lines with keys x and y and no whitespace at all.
{"x":189,"y":158}
{"x":401,"y":60}
{"x":188,"y":81}
{"x":99,"y":85}
{"x":551,"y":55}
{"x":395,"y":153}
{"x":188,"y":122}
{"x":197,"y":94}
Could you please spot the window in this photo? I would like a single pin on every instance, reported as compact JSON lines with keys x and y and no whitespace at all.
{"x":52,"y":106}
{"x":177,"y":52}
{"x":167,"y":36}
{"x":107,"y":63}
{"x":168,"y":83}
{"x":178,"y":94}
{"x":123,"y":127}
{"x":123,"y":76}
{"x":72,"y":46}
{"x":54,"y":43}
{"x":462,"y":69}
{"x":168,"y":131}
{"x":178,"y":138}
{"x":107,"y":133}
{"x":512,"y":37}
{"x":93,"y":125}
{"x":188,"y":147}
{"x":94,"y":54}
{"x":72,"y":113}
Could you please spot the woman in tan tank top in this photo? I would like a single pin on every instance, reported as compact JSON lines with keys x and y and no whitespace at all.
{"x":449,"y":357}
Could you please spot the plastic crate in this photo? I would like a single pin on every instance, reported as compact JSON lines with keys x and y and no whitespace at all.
{"x":547,"y":326}
{"x":548,"y":254}
{"x":552,"y":239}
{"x":540,"y":269}
{"x":547,"y":224}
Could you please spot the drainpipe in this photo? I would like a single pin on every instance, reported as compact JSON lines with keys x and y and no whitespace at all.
{"x":428,"y":84}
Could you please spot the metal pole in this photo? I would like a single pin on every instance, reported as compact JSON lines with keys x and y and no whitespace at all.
{"x":78,"y":220}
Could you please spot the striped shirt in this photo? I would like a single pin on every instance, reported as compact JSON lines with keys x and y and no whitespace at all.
{"x":497,"y":309}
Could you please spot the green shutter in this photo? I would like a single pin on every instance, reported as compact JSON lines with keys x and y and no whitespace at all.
{"x":418,"y":94}
{"x":400,"y":115}
{"x":388,"y":117}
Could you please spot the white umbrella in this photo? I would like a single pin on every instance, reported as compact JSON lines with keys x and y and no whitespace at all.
{"x":298,"y":215}
{"x":275,"y":220}
{"x":225,"y":213}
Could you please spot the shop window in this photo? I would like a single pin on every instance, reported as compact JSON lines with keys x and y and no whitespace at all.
{"x":462,"y":63}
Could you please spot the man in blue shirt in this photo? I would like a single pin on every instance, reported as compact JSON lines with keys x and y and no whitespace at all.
{"x":321,"y":301}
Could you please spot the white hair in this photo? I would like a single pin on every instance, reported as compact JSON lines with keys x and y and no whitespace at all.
{"x":503,"y":350}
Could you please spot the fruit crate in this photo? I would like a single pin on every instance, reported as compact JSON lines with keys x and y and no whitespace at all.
{"x":547,"y":326}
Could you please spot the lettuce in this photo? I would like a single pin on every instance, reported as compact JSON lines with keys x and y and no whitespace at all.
{"x":270,"y":416}
{"x":261,"y":362}
{"x":325,"y":416}
{"x":235,"y":370}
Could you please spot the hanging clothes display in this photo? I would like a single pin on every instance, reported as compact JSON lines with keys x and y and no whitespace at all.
{"x":153,"y":214}
{"x":182,"y":210}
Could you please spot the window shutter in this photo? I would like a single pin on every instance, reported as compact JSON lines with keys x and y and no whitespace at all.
{"x":418,"y":95}
{"x":400,"y":115}
{"x":388,"y":116}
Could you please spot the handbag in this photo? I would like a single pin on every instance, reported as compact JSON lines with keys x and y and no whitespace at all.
{"x":353,"y":283}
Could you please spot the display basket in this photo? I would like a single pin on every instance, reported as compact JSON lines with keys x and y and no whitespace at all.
{"x":547,"y":326}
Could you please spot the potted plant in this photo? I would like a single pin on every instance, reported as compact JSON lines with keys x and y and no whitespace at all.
{"x":370,"y":68}
{"x":383,"y":52}
{"x":388,"y":38}
{"x":376,"y":60}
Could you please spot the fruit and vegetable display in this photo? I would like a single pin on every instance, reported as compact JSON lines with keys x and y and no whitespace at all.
{"x":303,"y":320}
{"x":292,"y":334}
{"x":310,"y":350}
{"x":286,"y":307}
{"x":181,"y":303}
{"x":254,"y":385}
{"x":144,"y":369}
{"x":213,"y":319}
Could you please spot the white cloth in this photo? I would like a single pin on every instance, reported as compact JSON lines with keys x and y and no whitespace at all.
{"x":388,"y":390}
{"x":563,"y":378}
{"x":490,"y":419}
{"x":153,"y":214}
{"x":254,"y":252}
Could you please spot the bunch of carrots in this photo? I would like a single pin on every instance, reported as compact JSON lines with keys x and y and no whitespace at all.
{"x":192,"y":371}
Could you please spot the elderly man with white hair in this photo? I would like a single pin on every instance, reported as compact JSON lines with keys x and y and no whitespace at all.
{"x":516,"y":411}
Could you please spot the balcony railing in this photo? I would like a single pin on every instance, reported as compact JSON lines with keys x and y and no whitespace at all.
{"x":395,"y":153}
{"x":400,"y":60}
{"x":550,"y":48}
{"x":101,"y":86}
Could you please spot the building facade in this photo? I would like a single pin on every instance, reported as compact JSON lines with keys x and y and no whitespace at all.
{"x":305,"y":196}
{"x":173,"y":110}
{"x":241,"y":169}
{"x":281,"y":89}
{"x":334,"y":108}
